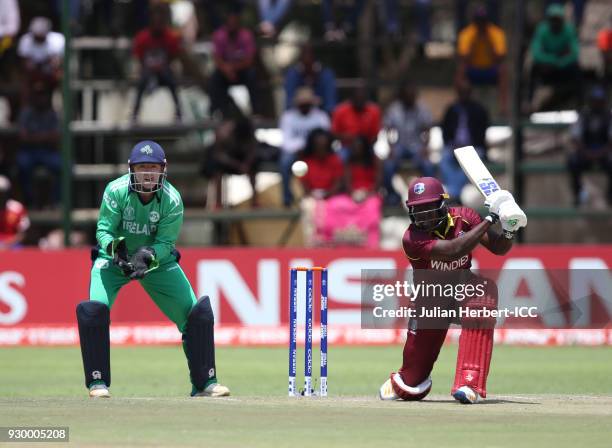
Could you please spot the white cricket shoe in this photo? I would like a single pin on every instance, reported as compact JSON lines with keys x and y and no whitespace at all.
{"x":386,"y":391}
{"x":99,"y":391}
{"x":213,"y":390}
{"x":466,"y":395}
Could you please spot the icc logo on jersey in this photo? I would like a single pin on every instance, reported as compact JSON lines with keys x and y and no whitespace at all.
{"x":419,"y":188}
{"x":128,"y":213}
{"x":153,"y":217}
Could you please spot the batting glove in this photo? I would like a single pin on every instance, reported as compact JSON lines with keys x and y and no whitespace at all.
{"x":496,"y":199}
{"x":512,"y":218}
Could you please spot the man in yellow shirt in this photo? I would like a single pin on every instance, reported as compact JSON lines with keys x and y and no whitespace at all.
{"x":481,"y":47}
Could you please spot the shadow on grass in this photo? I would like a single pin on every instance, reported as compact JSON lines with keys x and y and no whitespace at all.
{"x":487,"y":401}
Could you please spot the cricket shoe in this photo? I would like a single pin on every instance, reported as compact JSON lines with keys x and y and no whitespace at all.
{"x":466,"y":395}
{"x":99,"y":391}
{"x":386,"y":391}
{"x":212,"y":390}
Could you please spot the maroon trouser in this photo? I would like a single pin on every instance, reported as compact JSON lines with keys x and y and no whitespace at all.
{"x":475,"y":347}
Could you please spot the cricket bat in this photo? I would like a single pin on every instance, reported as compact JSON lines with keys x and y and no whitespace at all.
{"x":476,"y":171}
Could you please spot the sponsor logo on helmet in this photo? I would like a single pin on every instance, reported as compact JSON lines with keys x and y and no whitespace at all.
{"x":419,"y":188}
{"x":128,"y":213}
{"x":153,"y":216}
{"x":146,"y":150}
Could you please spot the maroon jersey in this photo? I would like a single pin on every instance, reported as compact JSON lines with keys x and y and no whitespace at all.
{"x":418,"y":244}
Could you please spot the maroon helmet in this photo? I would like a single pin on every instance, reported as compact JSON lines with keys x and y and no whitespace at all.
{"x":422,"y":191}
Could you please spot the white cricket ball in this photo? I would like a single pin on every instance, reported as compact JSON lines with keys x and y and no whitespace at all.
{"x":299,"y":168}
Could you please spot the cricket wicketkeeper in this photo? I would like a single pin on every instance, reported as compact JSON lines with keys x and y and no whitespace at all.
{"x":442,"y":238}
{"x":140,"y":219}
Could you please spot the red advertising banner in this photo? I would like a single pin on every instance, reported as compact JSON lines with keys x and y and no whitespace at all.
{"x":249,"y":293}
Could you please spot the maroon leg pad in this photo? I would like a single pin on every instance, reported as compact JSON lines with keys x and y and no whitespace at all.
{"x":474,"y":359}
{"x":476,"y":345}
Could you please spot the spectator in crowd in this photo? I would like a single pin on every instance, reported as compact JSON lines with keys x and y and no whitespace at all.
{"x":554,"y":50}
{"x":363,"y":175}
{"x":271,"y":13}
{"x":407,"y":123}
{"x":234,"y":151}
{"x":465,"y":123}
{"x":234,"y":55}
{"x":42,"y":52}
{"x":10,"y":21}
{"x":349,"y":16}
{"x":311,"y":73}
{"x":296,"y":124}
{"x":325,"y":171}
{"x":481,"y":48}
{"x":39,"y":134}
{"x":592,"y":139}
{"x":14,"y":221}
{"x":604,"y":43}
{"x":354,"y":117}
{"x":322,"y":182}
{"x":353,"y":218}
{"x":578,"y":9}
{"x":462,"y":9}
{"x":155,"y":48}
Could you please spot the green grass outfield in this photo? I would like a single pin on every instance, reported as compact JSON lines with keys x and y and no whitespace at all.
{"x":544,"y":397}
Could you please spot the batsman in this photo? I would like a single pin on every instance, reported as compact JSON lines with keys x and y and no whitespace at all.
{"x":442,"y":238}
{"x":140,"y":219}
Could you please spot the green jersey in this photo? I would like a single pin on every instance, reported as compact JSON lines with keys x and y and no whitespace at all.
{"x":156,"y":224}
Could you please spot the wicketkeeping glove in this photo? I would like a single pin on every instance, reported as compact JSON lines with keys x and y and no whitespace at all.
{"x":141,"y":262}
{"x":118,"y":250}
